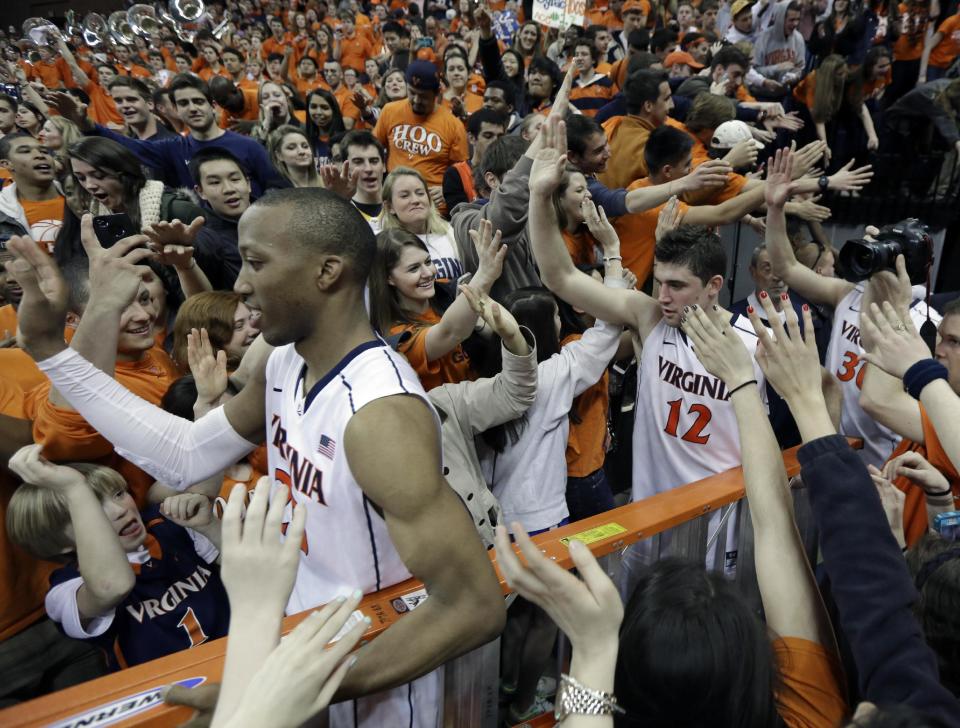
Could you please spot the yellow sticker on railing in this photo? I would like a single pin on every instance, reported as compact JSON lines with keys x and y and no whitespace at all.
{"x":592,"y":535}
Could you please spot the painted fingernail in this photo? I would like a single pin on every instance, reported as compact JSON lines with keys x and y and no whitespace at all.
{"x":686,"y":309}
{"x":694,"y":307}
{"x":763,"y":294}
{"x":716,"y":307}
{"x":806,"y":307}
{"x":783,"y":296}
{"x":683,"y":319}
{"x":749,"y":309}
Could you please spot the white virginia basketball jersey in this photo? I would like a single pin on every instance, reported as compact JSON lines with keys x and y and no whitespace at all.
{"x":845,"y":361}
{"x":685,"y":428}
{"x":346,"y":544}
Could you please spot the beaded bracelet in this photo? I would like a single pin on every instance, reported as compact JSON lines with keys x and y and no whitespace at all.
{"x":577,"y":699}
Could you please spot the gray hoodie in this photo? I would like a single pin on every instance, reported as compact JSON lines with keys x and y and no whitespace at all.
{"x":772,"y":48}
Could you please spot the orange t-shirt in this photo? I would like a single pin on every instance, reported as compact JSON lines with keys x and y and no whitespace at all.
{"x":47,"y":72}
{"x":586,"y":442}
{"x":581,"y":246}
{"x":102,"y":108}
{"x":8,"y":321}
{"x":45,"y":218}
{"x":429,"y":144}
{"x":452,"y":367}
{"x":355,"y":51}
{"x":66,"y":435}
{"x":471,"y":102}
{"x":135,"y":71}
{"x":915,"y":521}
{"x":913,"y":31}
{"x":19,"y":369}
{"x":251,"y":108}
{"x":947,"y":49}
{"x":23,"y":579}
{"x":811,"y":692}
{"x":272,"y":45}
{"x":637,"y":232}
{"x":805,"y":91}
{"x":627,"y":136}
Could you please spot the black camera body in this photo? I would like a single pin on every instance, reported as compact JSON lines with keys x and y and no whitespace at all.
{"x":860,"y":259}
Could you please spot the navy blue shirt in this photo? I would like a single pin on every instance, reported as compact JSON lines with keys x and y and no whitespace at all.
{"x":169,"y":157}
{"x":178,"y":600}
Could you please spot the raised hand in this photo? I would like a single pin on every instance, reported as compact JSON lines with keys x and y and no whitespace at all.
{"x":780,"y":176}
{"x":588,"y":610}
{"x":115,"y":272}
{"x":190,"y":510}
{"x":789,"y":361}
{"x":340,"y":179}
{"x":561,"y":102}
{"x":31,"y":467}
{"x":716,"y":345}
{"x":175,"y":232}
{"x":499,"y":319}
{"x":892,"y":499}
{"x":847,"y":178}
{"x":303,"y":672}
{"x":895,"y":343}
{"x":807,"y":157}
{"x":710,"y":174}
{"x":669,"y":218}
{"x":600,"y":227}
{"x":550,"y":159}
{"x":43,"y":305}
{"x":916,"y":468}
{"x":258,"y":567}
{"x":69,"y":107}
{"x":809,"y":210}
{"x":209,"y":369}
{"x":743,"y":154}
{"x":490,"y":254}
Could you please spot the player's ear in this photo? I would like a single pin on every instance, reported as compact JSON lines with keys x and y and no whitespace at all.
{"x":715,"y":285}
{"x":330,"y":270}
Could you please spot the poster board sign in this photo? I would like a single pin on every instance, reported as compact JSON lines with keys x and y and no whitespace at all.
{"x":559,"y":13}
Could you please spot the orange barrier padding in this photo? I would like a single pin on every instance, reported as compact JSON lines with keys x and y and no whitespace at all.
{"x":133,"y":696}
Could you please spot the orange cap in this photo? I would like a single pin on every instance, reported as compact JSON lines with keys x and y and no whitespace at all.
{"x":681,"y":57}
{"x":642,"y":5}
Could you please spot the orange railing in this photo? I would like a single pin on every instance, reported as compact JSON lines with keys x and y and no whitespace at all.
{"x":132,"y":696}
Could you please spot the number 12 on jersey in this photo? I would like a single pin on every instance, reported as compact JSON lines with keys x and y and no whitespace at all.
{"x":693,"y":431}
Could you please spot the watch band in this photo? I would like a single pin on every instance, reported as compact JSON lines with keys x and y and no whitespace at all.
{"x":823,"y":182}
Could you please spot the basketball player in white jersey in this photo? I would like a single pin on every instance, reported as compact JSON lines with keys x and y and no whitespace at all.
{"x":349,"y":430}
{"x":685,"y":427}
{"x":844,"y":358}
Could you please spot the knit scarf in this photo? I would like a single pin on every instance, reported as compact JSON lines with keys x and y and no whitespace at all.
{"x":149,"y":203}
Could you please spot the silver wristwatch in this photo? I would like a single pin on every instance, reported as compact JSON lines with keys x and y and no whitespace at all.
{"x":576,"y":699}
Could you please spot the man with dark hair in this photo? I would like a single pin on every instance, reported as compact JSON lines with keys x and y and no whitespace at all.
{"x":100,"y":106}
{"x":501,"y":96}
{"x":589,"y":152}
{"x":483,"y":128}
{"x":223,"y":184}
{"x":366,"y":158}
{"x":233,"y":64}
{"x":634,"y":15}
{"x":8,"y":115}
{"x":134,"y":101}
{"x":32,"y":204}
{"x":591,"y":90}
{"x":780,"y":51}
{"x":306,"y":257}
{"x":649,"y":101}
{"x":663,"y":42}
{"x":169,"y":158}
{"x":236,"y":102}
{"x":727,"y":68}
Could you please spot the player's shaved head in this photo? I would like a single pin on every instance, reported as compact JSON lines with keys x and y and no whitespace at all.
{"x":323,"y":222}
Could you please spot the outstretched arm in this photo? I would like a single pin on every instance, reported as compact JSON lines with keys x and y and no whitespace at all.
{"x":629,"y":308}
{"x":791,"y":600}
{"x":465,"y":608}
{"x":458,"y":321}
{"x":797,"y":276}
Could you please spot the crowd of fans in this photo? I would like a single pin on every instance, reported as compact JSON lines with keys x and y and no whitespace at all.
{"x":305,"y":299}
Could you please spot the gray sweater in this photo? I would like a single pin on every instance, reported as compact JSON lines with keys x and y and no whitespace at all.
{"x":507,"y":210}
{"x":469,"y":408}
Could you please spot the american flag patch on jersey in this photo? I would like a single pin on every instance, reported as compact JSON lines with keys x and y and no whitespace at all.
{"x":327,"y":446}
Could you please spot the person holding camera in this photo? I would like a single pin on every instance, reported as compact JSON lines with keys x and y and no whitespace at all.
{"x":845,"y":354}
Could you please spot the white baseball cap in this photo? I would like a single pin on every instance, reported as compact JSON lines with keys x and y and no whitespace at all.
{"x":730,"y":133}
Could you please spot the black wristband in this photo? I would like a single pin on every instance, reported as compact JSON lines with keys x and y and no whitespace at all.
{"x":741,"y":386}
{"x":939,"y":493}
{"x":921,"y":374}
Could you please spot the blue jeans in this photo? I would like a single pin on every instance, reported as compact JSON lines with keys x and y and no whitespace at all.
{"x":589,"y":495}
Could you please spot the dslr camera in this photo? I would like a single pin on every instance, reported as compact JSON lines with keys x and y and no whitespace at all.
{"x":860,"y":259}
